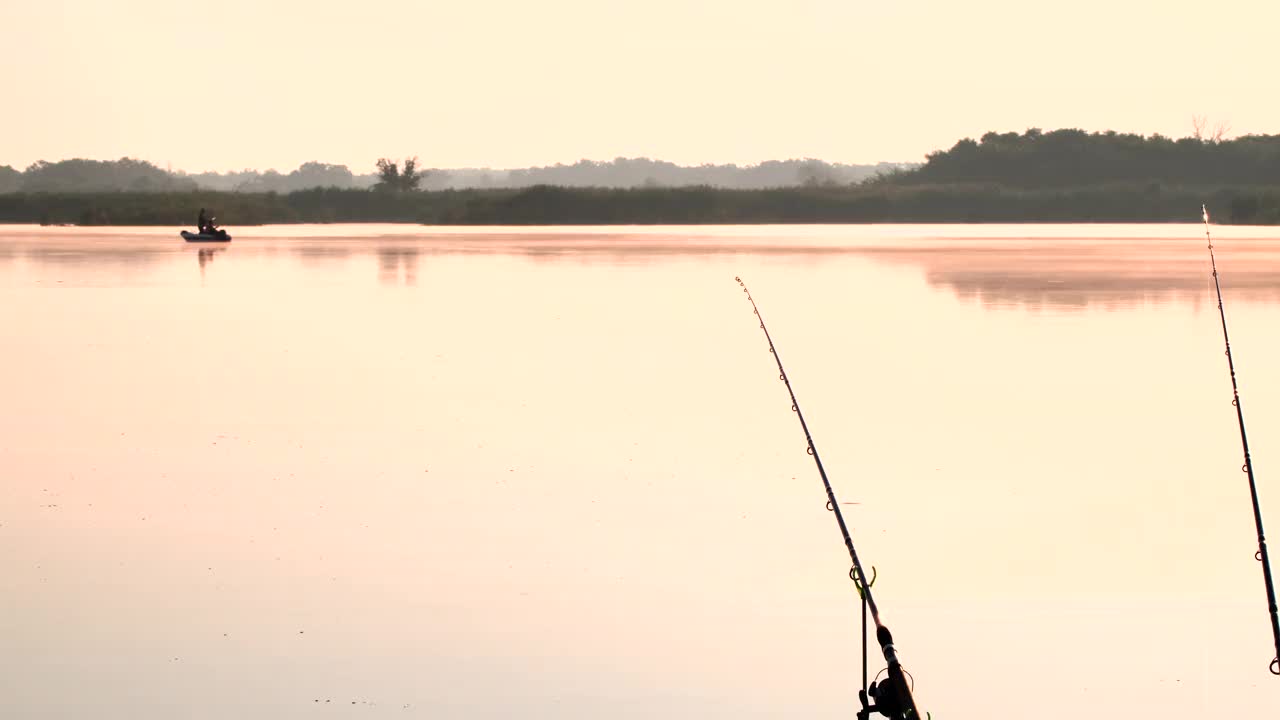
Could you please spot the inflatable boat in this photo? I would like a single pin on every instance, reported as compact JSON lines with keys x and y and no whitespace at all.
{"x":219,"y":236}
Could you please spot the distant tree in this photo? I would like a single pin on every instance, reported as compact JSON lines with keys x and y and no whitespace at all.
{"x":411,"y":175}
{"x":224,"y":182}
{"x":1199,"y":123}
{"x":317,"y":174}
{"x":81,"y":175}
{"x":388,"y":175}
{"x":814,"y":173}
{"x":10,"y":179}
{"x":308,"y":175}
{"x":1197,"y":126}
{"x":392,"y":179}
{"x":269,"y":181}
{"x":1220,"y":131}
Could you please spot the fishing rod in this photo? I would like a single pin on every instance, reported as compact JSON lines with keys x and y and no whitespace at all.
{"x":893,"y":697}
{"x":1247,"y":468}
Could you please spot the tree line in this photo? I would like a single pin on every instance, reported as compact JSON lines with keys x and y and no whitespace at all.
{"x":129,"y":175}
{"x":1069,"y":157}
{"x":1033,"y":176}
{"x":553,"y":205}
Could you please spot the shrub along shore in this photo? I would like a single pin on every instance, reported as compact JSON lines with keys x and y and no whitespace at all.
{"x":877,"y":202}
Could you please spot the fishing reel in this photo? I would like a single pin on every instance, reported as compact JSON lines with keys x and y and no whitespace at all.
{"x":890,"y":697}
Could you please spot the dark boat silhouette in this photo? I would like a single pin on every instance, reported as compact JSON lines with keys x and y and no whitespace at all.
{"x":219,"y":236}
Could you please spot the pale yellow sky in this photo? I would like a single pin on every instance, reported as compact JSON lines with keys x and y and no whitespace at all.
{"x":509,"y":84}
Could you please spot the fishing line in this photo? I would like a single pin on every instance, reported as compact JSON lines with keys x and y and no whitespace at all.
{"x":1247,"y":468}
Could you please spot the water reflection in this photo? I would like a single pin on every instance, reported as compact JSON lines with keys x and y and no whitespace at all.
{"x":392,"y":259}
{"x":84,"y":264}
{"x":1114,"y":274}
{"x":1033,"y":266}
{"x":117,"y":255}
{"x":204,"y":257}
{"x":316,"y":254}
{"x":309,"y":503}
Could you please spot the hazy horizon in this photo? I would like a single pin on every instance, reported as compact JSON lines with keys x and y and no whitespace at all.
{"x":503,"y":85}
{"x":372,"y":171}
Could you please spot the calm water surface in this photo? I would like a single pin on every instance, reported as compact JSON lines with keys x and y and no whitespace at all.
{"x":402,"y":472}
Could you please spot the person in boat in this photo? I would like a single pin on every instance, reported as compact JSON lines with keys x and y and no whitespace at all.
{"x":202,"y":223}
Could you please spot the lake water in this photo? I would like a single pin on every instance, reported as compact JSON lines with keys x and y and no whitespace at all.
{"x":405,"y":472}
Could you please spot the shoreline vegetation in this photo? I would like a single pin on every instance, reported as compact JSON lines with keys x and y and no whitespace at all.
{"x":551,"y":205}
{"x":1063,"y":176}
